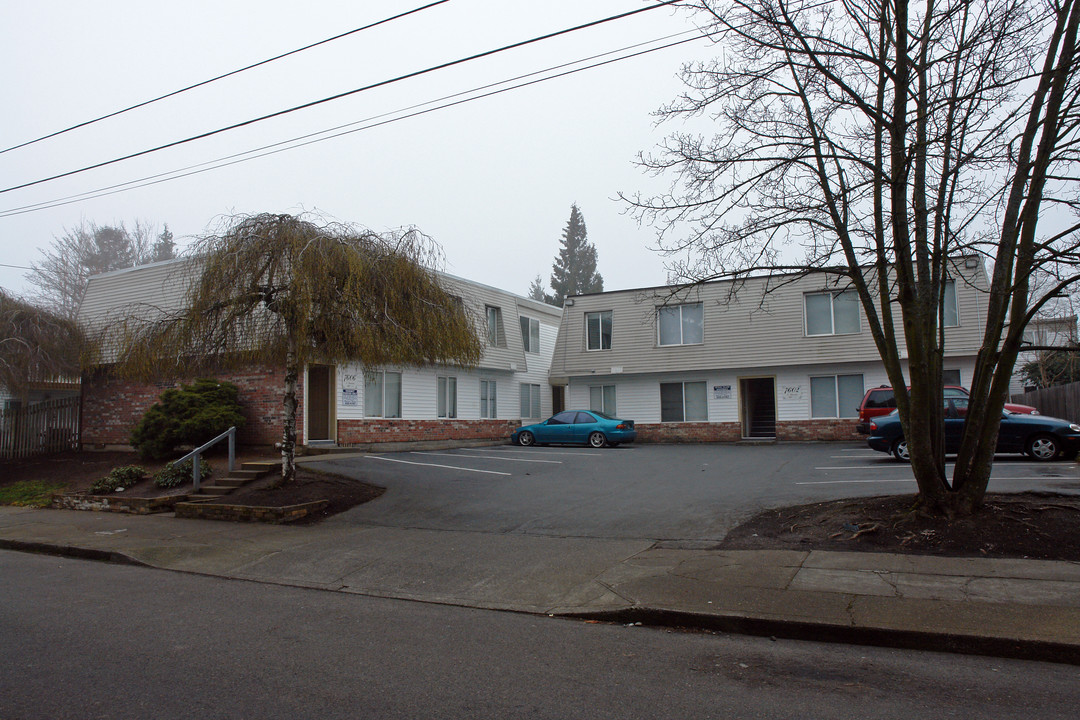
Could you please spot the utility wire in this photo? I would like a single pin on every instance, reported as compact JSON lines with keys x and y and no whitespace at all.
{"x":222,"y":77}
{"x":312,"y":138}
{"x":313,"y":103}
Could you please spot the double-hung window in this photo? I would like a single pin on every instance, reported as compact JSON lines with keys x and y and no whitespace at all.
{"x":598,"y":330}
{"x":683,"y":402}
{"x":530,"y":335}
{"x":382,"y":394}
{"x":836,"y":396}
{"x":446,"y":402}
{"x":681,"y":325}
{"x":488,"y":399}
{"x":494,"y":326}
{"x":602,"y":399}
{"x":530,"y":400}
{"x":952,"y":315}
{"x":832,"y":313}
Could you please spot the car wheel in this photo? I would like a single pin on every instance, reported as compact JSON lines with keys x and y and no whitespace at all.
{"x":597,"y":439}
{"x":526,"y":439}
{"x":900,"y":450}
{"x":1043,"y":447}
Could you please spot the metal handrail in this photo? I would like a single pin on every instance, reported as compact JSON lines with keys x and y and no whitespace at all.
{"x":195,"y":473}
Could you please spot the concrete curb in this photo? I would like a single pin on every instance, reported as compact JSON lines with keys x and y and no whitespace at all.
{"x":1017,"y":649}
{"x":731,"y":623}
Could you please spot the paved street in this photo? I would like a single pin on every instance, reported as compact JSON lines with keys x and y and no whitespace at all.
{"x":93,"y":640}
{"x":690,"y":493}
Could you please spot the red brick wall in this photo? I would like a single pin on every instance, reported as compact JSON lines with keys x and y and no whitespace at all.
{"x":353,"y":432}
{"x":112,"y":407}
{"x":790,"y":430}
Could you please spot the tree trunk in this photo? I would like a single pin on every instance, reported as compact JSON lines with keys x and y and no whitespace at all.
{"x":288,"y":440}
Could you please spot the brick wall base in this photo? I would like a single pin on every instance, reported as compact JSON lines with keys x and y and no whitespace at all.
{"x":786,"y":430}
{"x":112,"y":407}
{"x":359,"y":432}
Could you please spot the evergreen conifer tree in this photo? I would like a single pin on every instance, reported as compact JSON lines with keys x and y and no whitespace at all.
{"x":574,"y":270}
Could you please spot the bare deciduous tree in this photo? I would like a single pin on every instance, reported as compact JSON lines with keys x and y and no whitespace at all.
{"x":878,"y":143}
{"x":284,"y":291}
{"x":35,"y":345}
{"x":87,"y":249}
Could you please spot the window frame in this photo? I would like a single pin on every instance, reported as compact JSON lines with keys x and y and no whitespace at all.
{"x":682,"y":397}
{"x":446,"y":397}
{"x":837,"y":403}
{"x":600,"y":330}
{"x":529,"y":340}
{"x":682,"y":324}
{"x":489,"y":399}
{"x":604,"y":399}
{"x":832,"y":295}
{"x":532,"y":402}
{"x":950,"y":291}
{"x":381,"y":385}
{"x":493,"y":315}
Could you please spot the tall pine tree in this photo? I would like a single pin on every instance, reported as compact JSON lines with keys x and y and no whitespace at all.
{"x":574,"y":270}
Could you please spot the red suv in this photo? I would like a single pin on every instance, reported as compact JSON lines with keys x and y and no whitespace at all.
{"x":881,"y":401}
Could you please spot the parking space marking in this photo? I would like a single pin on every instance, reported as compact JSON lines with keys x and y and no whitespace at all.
{"x":486,"y":457}
{"x":449,"y":467}
{"x":545,"y":451}
{"x":849,"y":482}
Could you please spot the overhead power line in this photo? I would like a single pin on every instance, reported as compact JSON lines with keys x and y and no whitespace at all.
{"x":223,"y":76}
{"x":338,"y":96}
{"x":367,"y":124}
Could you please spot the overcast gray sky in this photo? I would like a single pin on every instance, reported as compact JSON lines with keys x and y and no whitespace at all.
{"x":491,"y":180}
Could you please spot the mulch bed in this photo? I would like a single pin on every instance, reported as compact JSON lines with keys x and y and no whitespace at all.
{"x":341,"y":493}
{"x":1044,"y":526}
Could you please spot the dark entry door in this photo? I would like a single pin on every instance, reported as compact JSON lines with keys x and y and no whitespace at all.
{"x":758,"y":407}
{"x":318,"y":402}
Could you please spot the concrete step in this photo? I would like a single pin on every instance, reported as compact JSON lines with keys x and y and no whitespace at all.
{"x":232,"y":482}
{"x":245,"y":474}
{"x":215,"y":490}
{"x":261,"y":466}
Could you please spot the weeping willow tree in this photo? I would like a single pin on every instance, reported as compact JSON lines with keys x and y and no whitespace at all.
{"x":35,"y":344}
{"x":282,"y":290}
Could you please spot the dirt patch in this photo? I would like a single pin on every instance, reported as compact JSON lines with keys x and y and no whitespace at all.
{"x":1043,"y":526}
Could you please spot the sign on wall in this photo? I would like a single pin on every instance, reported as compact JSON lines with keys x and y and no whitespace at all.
{"x":721,"y":392}
{"x":792,"y":392}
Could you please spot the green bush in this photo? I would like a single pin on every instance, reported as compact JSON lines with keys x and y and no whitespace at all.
{"x":189,"y":415}
{"x":176,"y":474}
{"x":118,"y":478}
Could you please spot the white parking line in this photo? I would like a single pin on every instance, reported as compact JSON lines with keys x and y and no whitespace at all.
{"x":449,"y":467}
{"x":487,"y":457}
{"x":849,"y":482}
{"x":545,"y":451}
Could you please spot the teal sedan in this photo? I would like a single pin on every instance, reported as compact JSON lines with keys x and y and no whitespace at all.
{"x":577,"y":427}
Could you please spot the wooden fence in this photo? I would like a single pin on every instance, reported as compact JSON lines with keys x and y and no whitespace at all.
{"x":39,"y":429}
{"x":1060,"y":401}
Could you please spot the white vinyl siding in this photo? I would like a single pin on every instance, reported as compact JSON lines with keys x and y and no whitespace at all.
{"x":835,"y":396}
{"x":832,"y":313}
{"x":681,"y":325}
{"x":446,"y":397}
{"x":598,"y":330}
{"x":683,"y":402}
{"x":382,"y":394}
{"x":602,"y":398}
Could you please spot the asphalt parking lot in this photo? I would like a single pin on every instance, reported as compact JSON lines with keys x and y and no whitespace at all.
{"x":683,"y":494}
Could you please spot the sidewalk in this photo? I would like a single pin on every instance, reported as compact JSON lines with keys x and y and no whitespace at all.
{"x":1010,"y":608}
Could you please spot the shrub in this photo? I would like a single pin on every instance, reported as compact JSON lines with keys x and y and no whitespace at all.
{"x":119,"y":478}
{"x":189,"y":415}
{"x":176,"y":474}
